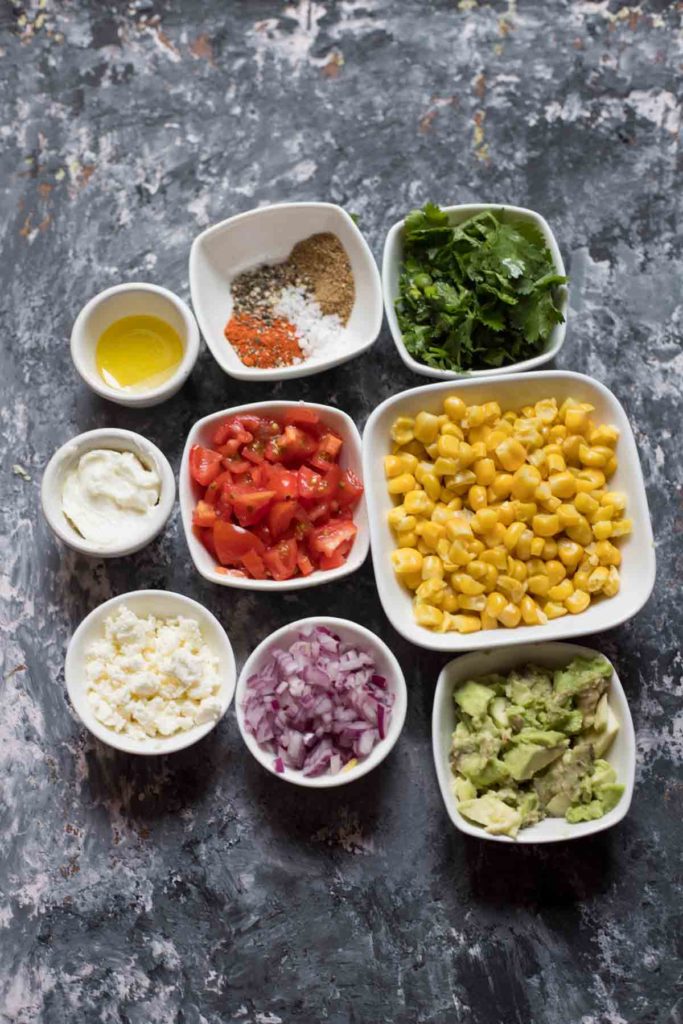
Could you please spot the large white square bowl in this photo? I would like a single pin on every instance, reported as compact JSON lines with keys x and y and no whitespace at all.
{"x":621,"y":755}
{"x":268,"y":235}
{"x":637,"y":570}
{"x":391,"y":272}
{"x":189,"y":492}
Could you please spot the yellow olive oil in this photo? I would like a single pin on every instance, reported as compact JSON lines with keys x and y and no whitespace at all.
{"x":138,"y":353}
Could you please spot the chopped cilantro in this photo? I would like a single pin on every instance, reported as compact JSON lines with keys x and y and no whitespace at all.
{"x":477,"y":295}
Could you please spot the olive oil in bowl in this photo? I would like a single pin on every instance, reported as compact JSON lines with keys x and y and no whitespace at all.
{"x":138,"y":353}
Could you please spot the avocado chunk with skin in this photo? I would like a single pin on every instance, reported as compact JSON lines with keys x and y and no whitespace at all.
{"x":496,"y":817}
{"x":473,"y":699}
{"x":526,"y":759}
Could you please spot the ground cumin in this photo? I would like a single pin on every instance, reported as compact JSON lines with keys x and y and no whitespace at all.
{"x":322,"y":262}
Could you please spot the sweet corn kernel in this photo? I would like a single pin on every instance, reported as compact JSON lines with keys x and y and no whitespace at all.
{"x":524,"y":511}
{"x":621,"y":527}
{"x":597,"y":579}
{"x":495,"y":603}
{"x":592,"y":457}
{"x":418,"y":503}
{"x":426,"y":427}
{"x":458,"y":527}
{"x":589,"y":479}
{"x":607,"y":553}
{"x":525,"y":481}
{"x":517,"y":569}
{"x":576,"y":421}
{"x":568,"y":515}
{"x":431,"y":484}
{"x":556,"y":465}
{"x":451,"y":429}
{"x":512,"y":534}
{"x":537,"y":547}
{"x":494,"y":536}
{"x":552,"y":610}
{"x":570,"y":449}
{"x":512,"y":588}
{"x":401,"y":484}
{"x":458,"y":554}
{"x":406,"y":560}
{"x":469,"y":603}
{"x":612,"y":586}
{"x":581,"y":532}
{"x":610,"y":467}
{"x":496,"y":556}
{"x":531,"y":613}
{"x":604,"y":435}
{"x":546,"y":525}
{"x":585,"y":504}
{"x":476,"y":497}
{"x":577,"y":602}
{"x":392,"y":466}
{"x":427,"y":615}
{"x":477,"y":568}
{"x":485,"y":471}
{"x":484,"y":520}
{"x":474,"y":546}
{"x":430,"y":532}
{"x":490,"y":579}
{"x":615,"y":498}
{"x":549,"y":551}
{"x":445,"y":467}
{"x":462,"y":481}
{"x":488,"y":621}
{"x":546,"y":410}
{"x":450,"y":600}
{"x":432,"y":591}
{"x":539,"y":460}
{"x":510,"y":616}
{"x":511,"y":454}
{"x":466,"y":623}
{"x":602,"y":530}
{"x":539,"y":585}
{"x":502,"y":486}
{"x":555,"y":572}
{"x":466,"y":454}
{"x":561,"y":591}
{"x":402,"y":429}
{"x":464,"y":584}
{"x":570,"y":553}
{"x":448,"y":446}
{"x":562,"y":485}
{"x":407,"y":539}
{"x":432,"y":568}
{"x":454,"y":407}
{"x":523,"y":548}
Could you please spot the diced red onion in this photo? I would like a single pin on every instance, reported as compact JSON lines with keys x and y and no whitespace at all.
{"x":318,"y":704}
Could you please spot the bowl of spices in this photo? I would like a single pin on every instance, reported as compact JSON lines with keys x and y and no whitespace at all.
{"x":135,"y":344}
{"x":285,"y":291}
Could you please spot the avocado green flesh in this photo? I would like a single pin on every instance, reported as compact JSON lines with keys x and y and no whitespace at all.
{"x":530,"y":745}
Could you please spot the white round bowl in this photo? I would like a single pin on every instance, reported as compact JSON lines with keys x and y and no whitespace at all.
{"x":165,"y":605}
{"x":387,"y":665}
{"x":66,"y":458}
{"x":268,"y":235}
{"x":637,"y":570}
{"x":351,"y":458}
{"x":391,"y":272}
{"x":129,"y":300}
{"x":621,"y":755}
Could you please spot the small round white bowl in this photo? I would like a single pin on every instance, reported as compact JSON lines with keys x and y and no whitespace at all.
{"x":66,"y":458}
{"x":391,"y":272}
{"x":387,"y":665}
{"x":165,"y":605}
{"x":268,"y":235}
{"x":133,"y":299}
{"x":621,"y":755}
{"x":351,"y":458}
{"x":637,"y":570}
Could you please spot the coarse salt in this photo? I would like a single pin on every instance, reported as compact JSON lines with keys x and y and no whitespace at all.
{"x":319,"y":336}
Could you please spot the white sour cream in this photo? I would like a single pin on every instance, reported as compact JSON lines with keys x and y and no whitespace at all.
{"x":109,"y":496}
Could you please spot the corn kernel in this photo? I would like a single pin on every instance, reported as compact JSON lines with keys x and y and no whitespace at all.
{"x":448,"y":446}
{"x":485,"y":471}
{"x":458,"y":554}
{"x":597,"y":579}
{"x":510,"y":615}
{"x":426,"y":427}
{"x":476,"y":497}
{"x":570,"y":449}
{"x":539,"y":585}
{"x":474,"y":546}
{"x":496,"y":556}
{"x":523,"y":548}
{"x":432,"y":568}
{"x":577,"y":602}
{"x":581,"y":532}
{"x":512,"y":534}
{"x":431,"y":484}
{"x":462,"y":481}
{"x":484,"y":520}
{"x":568,"y":515}
{"x":562,"y":485}
{"x":407,"y":539}
{"x":477,"y":569}
{"x":401,"y":484}
{"x":502,"y":485}
{"x":511,"y":454}
{"x":621,"y":527}
{"x":464,"y":584}
{"x":488,"y":621}
{"x":402,"y":429}
{"x":467,"y":603}
{"x":525,"y":481}
{"x":531,"y":613}
{"x":466,"y":623}
{"x":602,"y":530}
{"x":495,"y":603}
{"x":604,"y":435}
{"x":552,"y":610}
{"x":610,"y":467}
{"x":576,"y":421}
{"x":512,"y":588}
{"x":537,"y":547}
{"x":427,"y":615}
{"x":546,"y":525}
{"x":494,"y":536}
{"x":458,"y":527}
{"x":490,"y":579}
{"x":418,"y":503}
{"x":570,"y":552}
{"x":607,"y":553}
{"x":451,"y":429}
{"x":432,"y":591}
{"x":549,"y":551}
{"x":406,"y":560}
{"x":585,"y":504}
{"x":614,"y":498}
{"x":450,"y":600}
{"x":592,"y":457}
{"x":612,"y":586}
{"x":555,"y":571}
{"x":556,"y":465}
{"x":392,"y":466}
{"x":517,"y":569}
{"x":445,"y":467}
{"x":524,"y":511}
{"x":454,"y":407}
{"x":561,"y":591}
{"x":430,"y":532}
{"x":589,"y":479}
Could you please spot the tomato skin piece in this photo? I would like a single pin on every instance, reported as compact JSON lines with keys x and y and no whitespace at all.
{"x":205,"y":465}
{"x":349,"y":490}
{"x":232,"y":542}
{"x":281,"y":560}
{"x":204,"y":514}
{"x":250,"y":506}
{"x":326,"y":539}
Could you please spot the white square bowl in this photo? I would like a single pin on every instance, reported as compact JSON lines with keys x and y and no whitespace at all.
{"x":621,"y":755}
{"x":268,"y":235}
{"x":391,"y":272}
{"x":189,"y":492}
{"x":637,"y":570}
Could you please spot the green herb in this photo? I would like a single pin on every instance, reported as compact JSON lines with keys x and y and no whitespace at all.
{"x":478,"y":295}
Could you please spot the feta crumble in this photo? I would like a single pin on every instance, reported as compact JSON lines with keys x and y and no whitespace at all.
{"x":149,"y":677}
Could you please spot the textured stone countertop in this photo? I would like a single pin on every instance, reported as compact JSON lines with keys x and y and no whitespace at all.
{"x":197,"y":888}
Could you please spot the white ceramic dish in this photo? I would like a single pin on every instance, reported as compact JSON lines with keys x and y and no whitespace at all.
{"x":267,"y":235}
{"x":66,"y":458}
{"x":351,"y":458}
{"x":637,"y":570}
{"x":387,"y":665}
{"x":621,"y":755}
{"x":391,"y":267}
{"x":164,"y":604}
{"x":129,"y":300}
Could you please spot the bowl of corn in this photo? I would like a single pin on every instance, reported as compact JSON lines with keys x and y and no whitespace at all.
{"x":506,"y":511}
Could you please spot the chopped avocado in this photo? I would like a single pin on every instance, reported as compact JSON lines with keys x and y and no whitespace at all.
{"x":496,"y":817}
{"x":526,"y":759}
{"x":531,"y":745}
{"x":473,"y":699}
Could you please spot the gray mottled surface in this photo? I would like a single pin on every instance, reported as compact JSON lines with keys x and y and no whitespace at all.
{"x":197,"y":889}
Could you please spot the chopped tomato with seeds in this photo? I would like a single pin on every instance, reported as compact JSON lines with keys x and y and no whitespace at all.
{"x":281,"y":559}
{"x":350,"y":489}
{"x":205,"y":464}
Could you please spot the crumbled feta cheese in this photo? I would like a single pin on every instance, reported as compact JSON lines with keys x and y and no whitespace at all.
{"x":151,"y":677}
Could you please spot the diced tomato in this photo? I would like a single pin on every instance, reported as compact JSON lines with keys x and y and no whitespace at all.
{"x":329,"y":447}
{"x":285,"y":482}
{"x":237,"y":465}
{"x":230,"y":449}
{"x":334,"y":561}
{"x":206,"y":537}
{"x":295,"y":445}
{"x":320,"y":512}
{"x":281,"y":559}
{"x":301,"y":416}
{"x":213,"y":491}
{"x":232,"y":543}
{"x":282,"y":514}
{"x":326,"y":539}
{"x":204,"y":514}
{"x":231,"y":428}
{"x":304,"y":564}
{"x":205,"y":465}
{"x":316,"y":486}
{"x":254,"y":451}
{"x":261,"y":427}
{"x":254,"y":565}
{"x":349,"y":490}
{"x":251,"y":506}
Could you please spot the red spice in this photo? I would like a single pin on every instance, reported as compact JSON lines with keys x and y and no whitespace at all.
{"x":262,"y":344}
